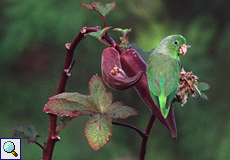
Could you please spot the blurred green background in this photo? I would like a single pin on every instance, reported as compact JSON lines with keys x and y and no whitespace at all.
{"x":33,"y":35}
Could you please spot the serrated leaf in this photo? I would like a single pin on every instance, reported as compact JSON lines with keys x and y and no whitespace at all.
{"x":144,"y":55}
{"x":123,"y":31}
{"x":76,"y":104}
{"x":98,"y":129}
{"x":203,"y":86}
{"x":99,"y":33}
{"x":99,"y":8}
{"x":63,"y":107}
{"x":98,"y":94}
{"x":29,"y":132}
{"x":120,"y":110}
{"x":87,"y":6}
{"x":75,"y":97}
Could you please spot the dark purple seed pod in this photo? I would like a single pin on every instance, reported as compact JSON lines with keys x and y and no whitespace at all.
{"x":112,"y":72}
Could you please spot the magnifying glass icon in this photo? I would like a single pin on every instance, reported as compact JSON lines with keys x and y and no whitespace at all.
{"x":9,"y":147}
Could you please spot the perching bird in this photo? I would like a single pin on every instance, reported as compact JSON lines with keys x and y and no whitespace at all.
{"x":163,"y":69}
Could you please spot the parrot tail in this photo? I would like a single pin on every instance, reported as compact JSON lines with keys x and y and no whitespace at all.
{"x":163,"y":100}
{"x":163,"y":107}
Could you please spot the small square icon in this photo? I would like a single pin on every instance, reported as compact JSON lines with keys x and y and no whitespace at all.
{"x":10,"y":148}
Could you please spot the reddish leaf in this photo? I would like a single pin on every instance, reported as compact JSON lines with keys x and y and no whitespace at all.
{"x":63,"y":107}
{"x":76,"y":97}
{"x":98,"y":104}
{"x":99,"y":8}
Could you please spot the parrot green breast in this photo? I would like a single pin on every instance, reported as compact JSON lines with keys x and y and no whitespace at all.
{"x":163,"y":78}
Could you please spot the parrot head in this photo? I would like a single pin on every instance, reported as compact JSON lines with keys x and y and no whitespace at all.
{"x":175,"y":45}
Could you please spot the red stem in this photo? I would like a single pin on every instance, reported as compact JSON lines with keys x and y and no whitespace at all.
{"x":142,"y":134}
{"x":39,"y":145}
{"x":53,"y":137}
{"x":145,"y":138}
{"x":109,"y":45}
{"x":103,"y":18}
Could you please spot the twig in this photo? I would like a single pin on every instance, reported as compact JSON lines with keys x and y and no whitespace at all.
{"x":39,"y":145}
{"x":63,"y":126}
{"x":142,"y":134}
{"x":145,"y":138}
{"x":109,"y":45}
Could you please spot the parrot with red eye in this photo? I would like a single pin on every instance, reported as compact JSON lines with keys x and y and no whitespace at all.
{"x":163,"y":70}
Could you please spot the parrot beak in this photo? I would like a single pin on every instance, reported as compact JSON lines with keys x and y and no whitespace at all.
{"x":183,"y":49}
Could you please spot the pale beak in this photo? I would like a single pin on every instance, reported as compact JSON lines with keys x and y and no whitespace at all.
{"x":183,"y":49}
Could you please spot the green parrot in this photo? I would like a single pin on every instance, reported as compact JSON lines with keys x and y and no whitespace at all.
{"x":163,"y":70}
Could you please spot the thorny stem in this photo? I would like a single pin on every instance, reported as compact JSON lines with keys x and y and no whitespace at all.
{"x":53,"y":137}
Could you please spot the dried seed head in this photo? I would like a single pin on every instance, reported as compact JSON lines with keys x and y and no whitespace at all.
{"x":186,"y":86}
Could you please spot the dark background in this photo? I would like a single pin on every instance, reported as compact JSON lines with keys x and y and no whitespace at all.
{"x":33,"y":35}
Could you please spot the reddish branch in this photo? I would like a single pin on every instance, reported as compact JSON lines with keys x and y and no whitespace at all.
{"x":145,"y":138}
{"x":53,"y":137}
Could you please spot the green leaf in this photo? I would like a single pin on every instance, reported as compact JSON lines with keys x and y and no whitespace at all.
{"x":65,"y":119}
{"x":98,"y":94}
{"x":122,"y":31}
{"x":140,"y":51}
{"x":75,"y":97}
{"x":204,"y":96}
{"x":99,"y":8}
{"x":99,"y":33}
{"x":76,"y":104}
{"x":98,"y":104}
{"x":63,"y":107}
{"x":29,"y":132}
{"x":98,"y":129}
{"x":203,"y":86}
{"x":120,"y":110}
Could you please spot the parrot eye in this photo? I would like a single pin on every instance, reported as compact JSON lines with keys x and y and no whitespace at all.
{"x":176,"y":42}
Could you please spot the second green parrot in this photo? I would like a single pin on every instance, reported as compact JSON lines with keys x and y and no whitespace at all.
{"x":163,"y":69}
